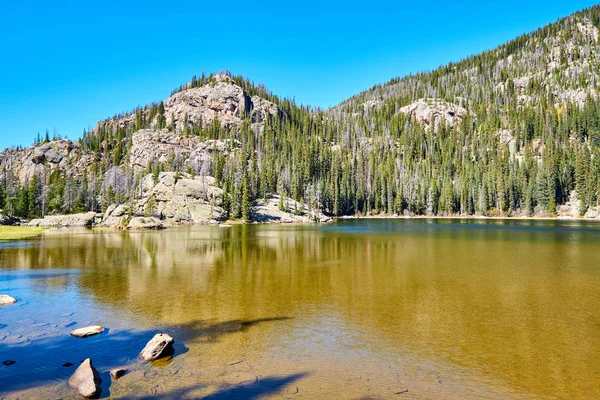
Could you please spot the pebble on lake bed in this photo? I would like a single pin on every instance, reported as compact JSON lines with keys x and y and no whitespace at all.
{"x":86,"y":379}
{"x":87,"y":331}
{"x":6,"y":299}
{"x":160,"y":345}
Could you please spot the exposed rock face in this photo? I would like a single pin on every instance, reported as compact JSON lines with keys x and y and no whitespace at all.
{"x":173,"y":199}
{"x":571,"y":209}
{"x":269,"y":211}
{"x":185,"y":199}
{"x":63,"y":153}
{"x":86,"y":380}
{"x":261,"y":108}
{"x":160,"y":346}
{"x":87,"y":331}
{"x":220,"y":98}
{"x":432,"y":112}
{"x":6,"y":299}
{"x":116,"y":215}
{"x":150,"y":146}
{"x":83,"y":219}
{"x":145,"y":223}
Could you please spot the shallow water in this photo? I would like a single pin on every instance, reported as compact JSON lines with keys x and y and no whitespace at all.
{"x":355,"y":309}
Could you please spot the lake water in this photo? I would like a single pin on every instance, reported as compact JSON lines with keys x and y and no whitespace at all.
{"x":355,"y":309}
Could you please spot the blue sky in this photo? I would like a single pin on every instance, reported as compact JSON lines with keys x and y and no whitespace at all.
{"x":65,"y":65}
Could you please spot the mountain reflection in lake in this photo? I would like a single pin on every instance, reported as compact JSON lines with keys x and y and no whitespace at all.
{"x":359,"y":308}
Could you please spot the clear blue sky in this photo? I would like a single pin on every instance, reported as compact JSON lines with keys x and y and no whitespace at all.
{"x":67,"y":64}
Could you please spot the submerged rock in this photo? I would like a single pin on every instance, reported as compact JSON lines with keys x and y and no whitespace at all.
{"x":161,"y":345}
{"x":8,"y":362}
{"x":118,"y":372}
{"x":87,"y":331}
{"x":86,"y":379}
{"x":6,"y":299}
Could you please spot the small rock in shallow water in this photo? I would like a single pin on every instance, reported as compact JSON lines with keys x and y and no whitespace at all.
{"x":118,"y":372}
{"x":160,"y":345}
{"x":6,"y":299}
{"x":8,"y":362}
{"x":68,"y":364}
{"x":87,"y":331}
{"x":86,"y":379}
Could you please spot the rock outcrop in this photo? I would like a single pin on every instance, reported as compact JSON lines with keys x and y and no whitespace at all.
{"x":145,"y":223}
{"x":270,"y":210}
{"x":172,"y":198}
{"x":161,"y":345}
{"x":150,"y":147}
{"x":572,"y":208}
{"x":34,"y":160}
{"x":87,"y":331}
{"x":86,"y":380}
{"x":432,"y":112}
{"x":180,"y":198}
{"x":6,"y":299}
{"x":220,"y":98}
{"x":83,"y":219}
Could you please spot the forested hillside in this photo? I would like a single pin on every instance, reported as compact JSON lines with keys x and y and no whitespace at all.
{"x":512,"y":131}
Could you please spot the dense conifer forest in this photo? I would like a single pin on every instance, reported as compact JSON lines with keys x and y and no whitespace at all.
{"x":512,"y":131}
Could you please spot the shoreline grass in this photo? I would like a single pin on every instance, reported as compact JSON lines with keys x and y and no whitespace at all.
{"x":20,"y":232}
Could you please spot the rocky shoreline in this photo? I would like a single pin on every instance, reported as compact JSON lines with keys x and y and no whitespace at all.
{"x":174,"y":199}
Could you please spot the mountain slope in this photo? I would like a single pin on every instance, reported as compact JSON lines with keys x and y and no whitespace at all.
{"x":513,"y":131}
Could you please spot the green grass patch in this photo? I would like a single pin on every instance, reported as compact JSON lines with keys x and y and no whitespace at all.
{"x":20,"y":232}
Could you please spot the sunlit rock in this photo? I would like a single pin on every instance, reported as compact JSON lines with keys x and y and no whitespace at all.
{"x":117,"y":372}
{"x":86,"y":380}
{"x":6,"y":299}
{"x":87,"y":331}
{"x":161,"y":345}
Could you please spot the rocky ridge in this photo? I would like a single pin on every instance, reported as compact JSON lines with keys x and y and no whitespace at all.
{"x":221,"y":99}
{"x":62,"y":153}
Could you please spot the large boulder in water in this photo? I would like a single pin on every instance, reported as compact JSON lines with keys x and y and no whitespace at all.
{"x":86,"y":380}
{"x":161,"y":345}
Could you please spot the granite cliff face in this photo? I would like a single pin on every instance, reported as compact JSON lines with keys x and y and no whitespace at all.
{"x":151,"y":146}
{"x":433,"y":112}
{"x":63,"y":154}
{"x":220,"y":98}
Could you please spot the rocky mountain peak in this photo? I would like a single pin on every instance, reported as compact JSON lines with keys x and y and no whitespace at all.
{"x":220,"y":98}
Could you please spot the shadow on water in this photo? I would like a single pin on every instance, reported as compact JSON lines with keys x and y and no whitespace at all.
{"x":40,"y":361}
{"x":250,"y":391}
